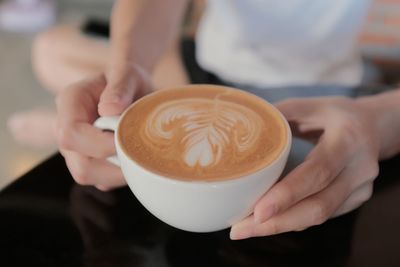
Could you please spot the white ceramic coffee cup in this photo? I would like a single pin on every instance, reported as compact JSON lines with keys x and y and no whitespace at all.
{"x":196,"y":206}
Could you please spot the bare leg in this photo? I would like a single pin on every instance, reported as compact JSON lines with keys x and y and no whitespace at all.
{"x":34,"y":128}
{"x":62,"y":56}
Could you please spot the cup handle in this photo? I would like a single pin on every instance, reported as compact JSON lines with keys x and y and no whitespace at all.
{"x":110,"y":124}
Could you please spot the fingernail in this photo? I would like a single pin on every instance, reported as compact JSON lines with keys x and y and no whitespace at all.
{"x":237,"y":234}
{"x":268,"y":213}
{"x":103,"y":188}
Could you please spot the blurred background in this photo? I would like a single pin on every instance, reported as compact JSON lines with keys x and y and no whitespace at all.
{"x":20,"y":90}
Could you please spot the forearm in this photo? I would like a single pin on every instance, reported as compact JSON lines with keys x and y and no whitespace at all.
{"x":385,"y":110}
{"x":141,"y":30}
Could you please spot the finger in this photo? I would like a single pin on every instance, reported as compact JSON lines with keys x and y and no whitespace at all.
{"x":313,"y":210}
{"x":86,"y":171}
{"x":305,"y":117}
{"x":77,"y":110}
{"x":356,"y":199}
{"x":120,"y":91}
{"x":103,"y":188}
{"x":243,"y":229}
{"x":86,"y":140}
{"x":78,"y":103}
{"x":321,"y":167}
{"x":123,"y":87}
{"x":363,"y":173}
{"x":312,"y":135}
{"x":115,"y":99}
{"x":296,"y":108}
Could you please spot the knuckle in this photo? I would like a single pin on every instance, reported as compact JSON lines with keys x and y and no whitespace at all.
{"x":367,"y":193}
{"x":284,"y":197}
{"x":65,"y":137}
{"x":320,"y":212}
{"x":301,"y":228}
{"x":101,"y":152}
{"x":103,"y":188}
{"x":350,"y":131}
{"x":274,"y":228}
{"x":353,"y":132}
{"x":80,"y":172}
{"x":270,"y":228}
{"x":323,"y":174}
{"x":373,"y":169}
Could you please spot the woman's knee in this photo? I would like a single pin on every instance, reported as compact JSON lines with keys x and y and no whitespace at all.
{"x":48,"y":53}
{"x":46,"y":44}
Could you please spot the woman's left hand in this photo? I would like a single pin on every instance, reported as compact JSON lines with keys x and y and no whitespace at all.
{"x":336,"y":177}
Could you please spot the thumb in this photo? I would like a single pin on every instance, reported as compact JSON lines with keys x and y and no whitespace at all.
{"x":304,"y":116}
{"x":117,"y":96}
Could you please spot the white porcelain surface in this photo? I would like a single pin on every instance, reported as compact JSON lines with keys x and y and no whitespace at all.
{"x":196,"y":206}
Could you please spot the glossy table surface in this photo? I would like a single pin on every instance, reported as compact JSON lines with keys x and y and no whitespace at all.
{"x":48,"y":220}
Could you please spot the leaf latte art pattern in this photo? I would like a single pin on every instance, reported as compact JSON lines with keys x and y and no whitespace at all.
{"x":204,"y":131}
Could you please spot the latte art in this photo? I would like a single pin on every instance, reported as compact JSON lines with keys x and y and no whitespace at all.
{"x":203,"y":129}
{"x":202,"y":133}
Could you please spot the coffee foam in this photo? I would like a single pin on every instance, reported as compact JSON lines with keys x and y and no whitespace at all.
{"x":208,"y":133}
{"x":203,"y":128}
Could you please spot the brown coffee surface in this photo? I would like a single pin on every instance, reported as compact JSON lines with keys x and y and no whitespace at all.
{"x":202,"y":132}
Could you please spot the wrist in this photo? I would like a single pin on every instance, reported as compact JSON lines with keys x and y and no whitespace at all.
{"x":384,"y":112}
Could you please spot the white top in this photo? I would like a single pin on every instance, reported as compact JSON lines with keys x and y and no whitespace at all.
{"x":269,"y":43}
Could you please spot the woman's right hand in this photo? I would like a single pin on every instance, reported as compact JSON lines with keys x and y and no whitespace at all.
{"x":84,"y":147}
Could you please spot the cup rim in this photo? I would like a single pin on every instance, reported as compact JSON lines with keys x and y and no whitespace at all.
{"x":233,"y":180}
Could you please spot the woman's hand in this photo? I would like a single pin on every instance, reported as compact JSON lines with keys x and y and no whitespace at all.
{"x":84,"y":147}
{"x":336,"y":177}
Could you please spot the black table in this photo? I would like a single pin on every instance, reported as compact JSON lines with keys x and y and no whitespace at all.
{"x":48,"y":220}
